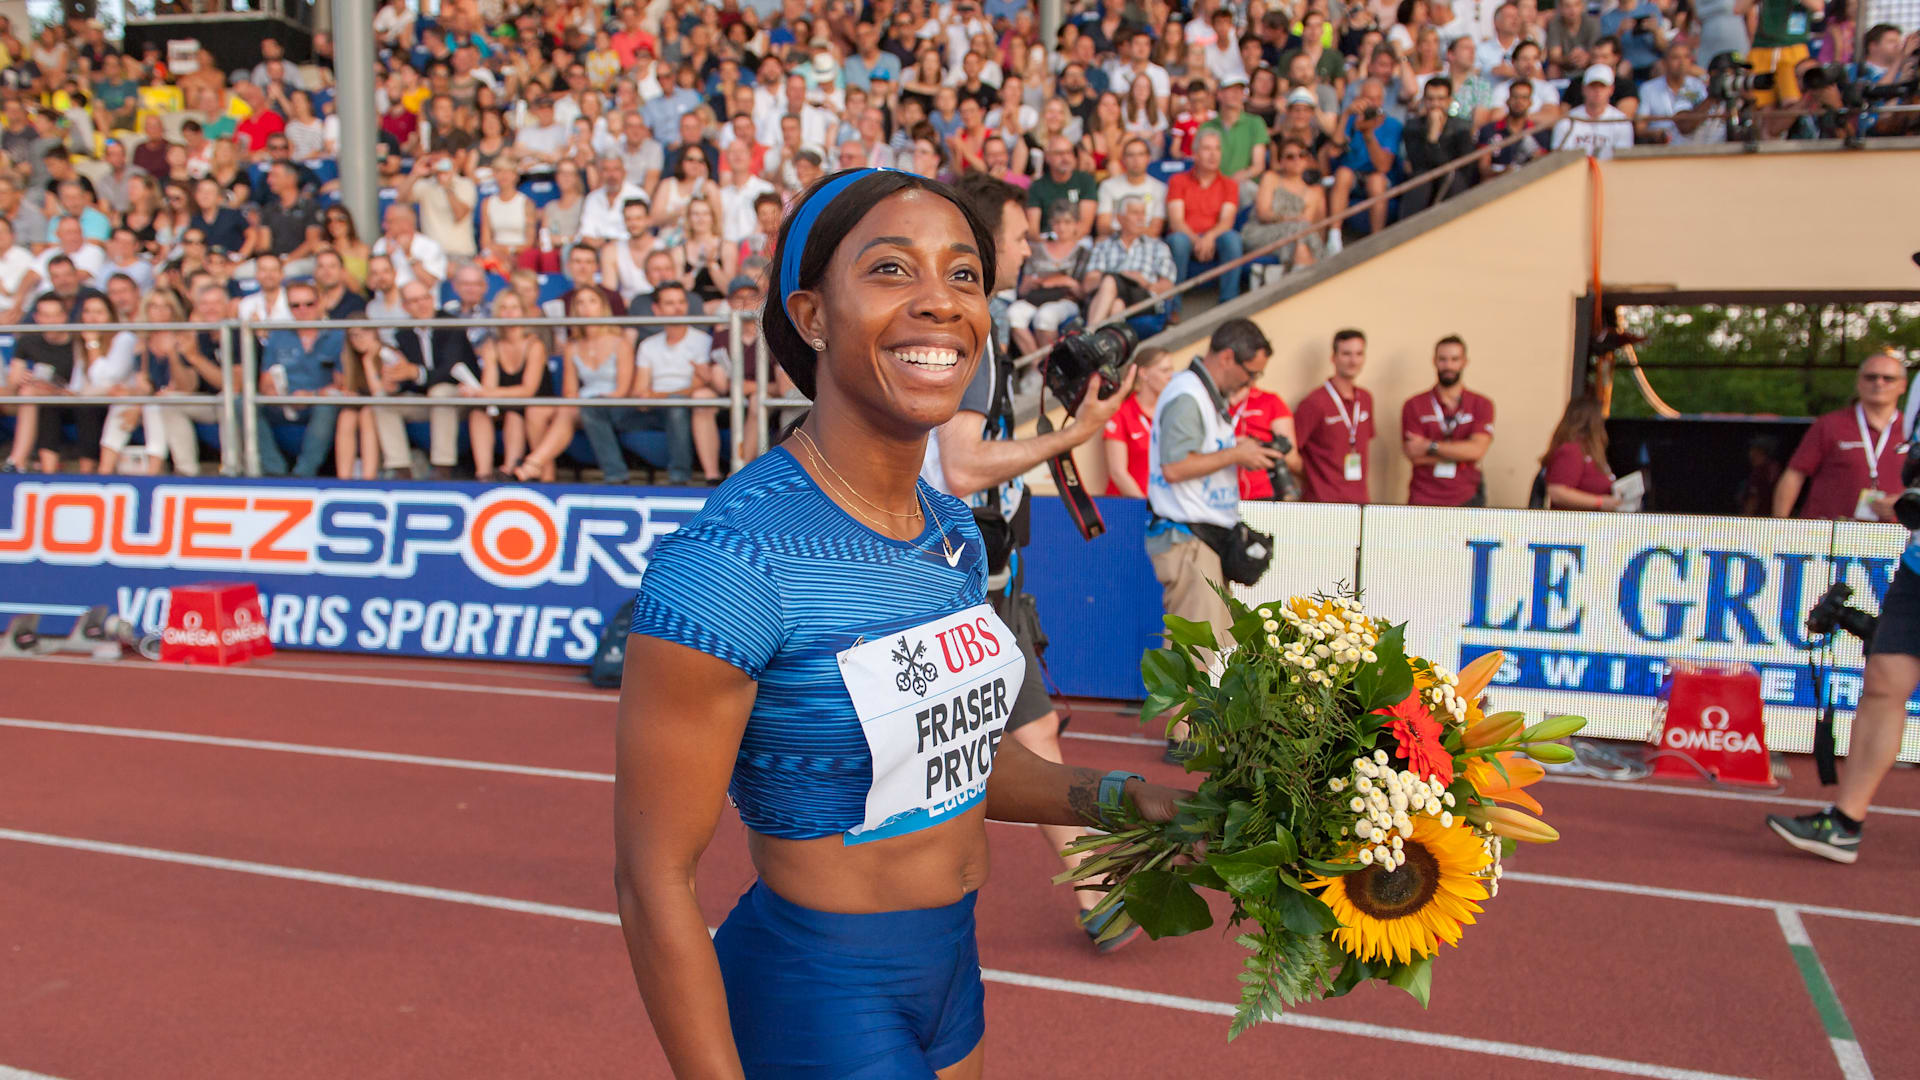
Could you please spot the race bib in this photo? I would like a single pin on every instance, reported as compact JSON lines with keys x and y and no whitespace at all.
{"x":1446,"y":470}
{"x":933,"y":702}
{"x":1353,"y":473}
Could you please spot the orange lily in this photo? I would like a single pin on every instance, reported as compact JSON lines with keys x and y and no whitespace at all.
{"x":1514,"y":825}
{"x":1520,"y":773}
{"x":1473,"y":679}
{"x":1490,"y":730}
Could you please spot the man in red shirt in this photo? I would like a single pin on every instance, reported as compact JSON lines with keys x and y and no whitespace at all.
{"x":1201,"y":204}
{"x":1848,"y":464}
{"x":1445,"y":432}
{"x":1335,"y":423}
{"x":1261,"y":414}
{"x":261,"y":124}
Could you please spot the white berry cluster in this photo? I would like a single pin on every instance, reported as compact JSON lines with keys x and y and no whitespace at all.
{"x":1386,"y":800}
{"x":1324,"y":643}
{"x":1443,"y":699}
{"x":1490,"y":873}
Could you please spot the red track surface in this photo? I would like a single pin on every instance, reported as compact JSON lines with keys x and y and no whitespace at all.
{"x":131,"y":964}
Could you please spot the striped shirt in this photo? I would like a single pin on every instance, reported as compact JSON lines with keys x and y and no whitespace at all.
{"x":1148,"y":255}
{"x":776,"y":579}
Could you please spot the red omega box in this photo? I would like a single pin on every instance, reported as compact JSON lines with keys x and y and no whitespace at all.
{"x":214,"y":623}
{"x":1712,"y":714}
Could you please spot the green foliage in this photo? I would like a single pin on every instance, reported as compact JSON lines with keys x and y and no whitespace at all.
{"x":1165,"y":905}
{"x":1387,"y":681}
{"x":1415,"y":977}
{"x":1283,"y":970}
{"x":1756,"y":357}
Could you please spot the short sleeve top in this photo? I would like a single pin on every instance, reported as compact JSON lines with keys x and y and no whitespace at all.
{"x":776,"y":579}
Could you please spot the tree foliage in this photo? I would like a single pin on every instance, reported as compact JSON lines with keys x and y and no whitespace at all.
{"x":1757,"y":357}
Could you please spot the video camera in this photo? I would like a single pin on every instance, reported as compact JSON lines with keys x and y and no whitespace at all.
{"x":1068,"y":372}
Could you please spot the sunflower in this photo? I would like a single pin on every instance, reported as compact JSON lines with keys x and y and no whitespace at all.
{"x":1398,"y":915}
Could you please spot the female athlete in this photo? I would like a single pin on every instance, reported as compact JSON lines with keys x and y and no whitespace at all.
{"x":816,"y":646}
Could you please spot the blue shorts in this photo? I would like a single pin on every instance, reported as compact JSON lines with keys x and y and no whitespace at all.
{"x":824,"y":996}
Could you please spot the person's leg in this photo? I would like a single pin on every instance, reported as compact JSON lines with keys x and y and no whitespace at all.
{"x":1225,"y":250}
{"x":680,"y":446}
{"x":1105,"y":301}
{"x":318,"y":440}
{"x":1342,"y":194}
{"x":26,"y":434}
{"x":607,"y":453}
{"x":390,"y":429}
{"x":346,"y":442}
{"x":513,"y":438}
{"x":480,"y":438}
{"x":1042,"y":736}
{"x":1181,"y":245}
{"x":1377,"y":213}
{"x":369,"y":451}
{"x":115,"y":433}
{"x":1878,"y":725}
{"x":706,"y":436}
{"x":444,"y":451}
{"x":272,"y":461}
{"x":89,"y":423}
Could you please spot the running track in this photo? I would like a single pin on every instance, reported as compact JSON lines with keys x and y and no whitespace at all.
{"x":328,"y":867}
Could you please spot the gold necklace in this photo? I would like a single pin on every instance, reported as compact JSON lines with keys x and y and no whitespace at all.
{"x":949,"y":552}
{"x":813,"y":448}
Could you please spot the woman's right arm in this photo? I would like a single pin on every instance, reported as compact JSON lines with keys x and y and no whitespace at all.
{"x":674,"y":748}
{"x":1117,"y":469}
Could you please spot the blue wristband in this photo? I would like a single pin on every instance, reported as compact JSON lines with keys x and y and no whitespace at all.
{"x":1112,"y":790}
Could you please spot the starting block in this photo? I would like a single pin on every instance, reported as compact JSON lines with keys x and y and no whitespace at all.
{"x":95,"y":633}
{"x":214,"y":624}
{"x":23,"y":636}
{"x":1712,"y":714}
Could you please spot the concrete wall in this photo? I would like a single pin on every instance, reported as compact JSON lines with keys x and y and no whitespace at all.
{"x":1504,"y":267}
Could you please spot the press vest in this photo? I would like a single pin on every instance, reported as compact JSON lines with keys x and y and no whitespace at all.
{"x":1211,"y":499}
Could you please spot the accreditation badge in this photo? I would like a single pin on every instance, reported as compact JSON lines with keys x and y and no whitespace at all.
{"x":1446,"y":470}
{"x":1352,"y":472}
{"x":933,"y":701}
{"x":1863,"y":509}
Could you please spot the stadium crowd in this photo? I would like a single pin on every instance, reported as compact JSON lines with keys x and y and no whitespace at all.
{"x":562,"y":157}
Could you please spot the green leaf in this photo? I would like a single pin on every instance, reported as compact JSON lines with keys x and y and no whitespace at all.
{"x":1165,"y":671}
{"x":1551,"y":753}
{"x":1164,"y":904}
{"x":1290,"y":850}
{"x":1415,"y":978}
{"x":1190,"y":634}
{"x":1548,"y":730}
{"x":1354,"y":972}
{"x":1157,"y":704}
{"x":1306,"y":915}
{"x":1203,"y":876}
{"x":1331,"y":869}
{"x":1237,"y":814}
{"x":1389,"y":679}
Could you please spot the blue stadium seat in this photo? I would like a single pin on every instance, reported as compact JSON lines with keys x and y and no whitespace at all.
{"x":1167,"y":168}
{"x":541,"y":192}
{"x":325,"y":170}
{"x":552,"y":287}
{"x":495,"y":283}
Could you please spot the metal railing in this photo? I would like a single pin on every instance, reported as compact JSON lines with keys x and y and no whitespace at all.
{"x":241,"y":399}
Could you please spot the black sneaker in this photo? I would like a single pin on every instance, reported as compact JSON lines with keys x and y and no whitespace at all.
{"x":1821,"y":832}
{"x":1178,"y":752}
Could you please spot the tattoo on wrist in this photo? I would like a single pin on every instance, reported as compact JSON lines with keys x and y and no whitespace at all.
{"x":1083,"y":795}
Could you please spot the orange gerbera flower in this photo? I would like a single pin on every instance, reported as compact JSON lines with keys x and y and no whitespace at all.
{"x":1521,"y":771}
{"x":1418,"y":734}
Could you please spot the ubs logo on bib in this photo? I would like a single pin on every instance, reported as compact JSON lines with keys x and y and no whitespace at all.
{"x":967,"y":644}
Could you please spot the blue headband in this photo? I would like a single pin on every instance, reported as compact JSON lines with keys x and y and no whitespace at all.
{"x":803,"y":224}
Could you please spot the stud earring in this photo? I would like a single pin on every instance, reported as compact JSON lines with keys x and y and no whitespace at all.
{"x":819,"y":345}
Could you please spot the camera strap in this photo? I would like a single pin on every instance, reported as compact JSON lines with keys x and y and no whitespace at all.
{"x":1823,"y":748}
{"x":1073,"y":492}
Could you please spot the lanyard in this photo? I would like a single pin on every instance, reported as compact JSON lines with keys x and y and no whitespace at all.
{"x":1353,"y":431}
{"x":1447,"y":423}
{"x":1868,"y":446}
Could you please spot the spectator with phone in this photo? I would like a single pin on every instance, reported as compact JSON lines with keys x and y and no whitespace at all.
{"x":1367,"y":146}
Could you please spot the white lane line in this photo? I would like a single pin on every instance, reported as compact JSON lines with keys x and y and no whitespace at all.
{"x":307,"y":749}
{"x":314,"y":877}
{"x":349,"y":680}
{"x":1659,"y":893}
{"x":9,"y":1073}
{"x":1511,"y":1051}
{"x":1094,"y":736}
{"x":1652,"y":891}
{"x":1718,"y":793}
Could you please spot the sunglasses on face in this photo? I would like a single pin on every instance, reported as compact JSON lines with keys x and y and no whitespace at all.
{"x":1880,"y":378}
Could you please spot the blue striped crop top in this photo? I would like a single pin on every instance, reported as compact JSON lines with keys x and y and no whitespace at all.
{"x":776,"y":579}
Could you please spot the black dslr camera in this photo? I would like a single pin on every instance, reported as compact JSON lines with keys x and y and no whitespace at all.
{"x":1906,"y":508}
{"x":1832,"y":612}
{"x":1078,"y":357}
{"x":1286,"y":488}
{"x":1730,"y":79}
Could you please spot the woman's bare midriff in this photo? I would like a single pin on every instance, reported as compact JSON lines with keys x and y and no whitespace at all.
{"x":927,"y":869}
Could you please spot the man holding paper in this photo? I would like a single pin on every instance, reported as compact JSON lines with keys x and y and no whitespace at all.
{"x":1848,"y":463}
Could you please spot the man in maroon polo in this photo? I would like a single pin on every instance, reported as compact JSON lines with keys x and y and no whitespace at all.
{"x":1335,"y":425}
{"x":1445,"y":433}
{"x":1848,"y":463}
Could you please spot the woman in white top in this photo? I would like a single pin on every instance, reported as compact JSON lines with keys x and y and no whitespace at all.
{"x":673,"y":193}
{"x":1143,"y":116}
{"x":19,"y":279}
{"x":105,"y":362}
{"x":623,"y":262}
{"x":508,"y":218}
{"x":598,"y":363}
{"x":306,"y":136}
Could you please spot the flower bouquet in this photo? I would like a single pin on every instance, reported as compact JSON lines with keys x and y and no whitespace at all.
{"x":1354,"y":809}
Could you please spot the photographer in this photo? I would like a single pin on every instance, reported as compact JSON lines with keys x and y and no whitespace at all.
{"x":1848,"y":463}
{"x":1880,"y":718}
{"x":974,"y":456}
{"x":1193,"y":471}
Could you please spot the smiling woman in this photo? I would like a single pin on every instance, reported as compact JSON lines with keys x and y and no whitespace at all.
{"x":816,"y":645}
